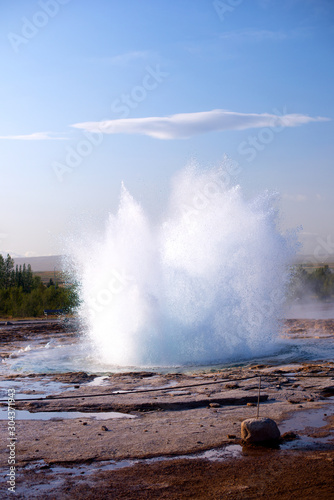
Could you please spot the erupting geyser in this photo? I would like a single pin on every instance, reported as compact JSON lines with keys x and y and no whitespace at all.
{"x":205,"y":285}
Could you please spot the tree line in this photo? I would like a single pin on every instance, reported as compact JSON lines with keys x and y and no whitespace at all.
{"x":22,"y":276}
{"x":318,"y":283}
{"x":24,"y":295}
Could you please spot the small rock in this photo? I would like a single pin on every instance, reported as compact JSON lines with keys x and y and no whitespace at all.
{"x":250,"y":387}
{"x":328,"y":391}
{"x":214,"y":405}
{"x":294,"y":401}
{"x":259,"y":430}
{"x":231,"y":436}
{"x":231,"y":385}
{"x":104,"y":428}
{"x":289,"y":436}
{"x":251,"y":404}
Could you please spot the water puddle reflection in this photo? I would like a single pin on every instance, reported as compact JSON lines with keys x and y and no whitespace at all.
{"x":62,"y":415}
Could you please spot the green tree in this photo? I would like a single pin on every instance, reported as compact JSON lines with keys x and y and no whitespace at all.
{"x":321,"y":281}
{"x":7,"y":267}
{"x":2,"y":272}
{"x":51,"y":283}
{"x":23,"y":294}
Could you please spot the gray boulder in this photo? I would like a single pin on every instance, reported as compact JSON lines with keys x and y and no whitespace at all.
{"x":259,"y":430}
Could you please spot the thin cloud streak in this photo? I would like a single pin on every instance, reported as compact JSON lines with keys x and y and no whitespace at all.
{"x":36,"y":136}
{"x":251,"y":35}
{"x":185,"y":125}
{"x":122,"y":59}
{"x":128,"y":57}
{"x":254,"y":35}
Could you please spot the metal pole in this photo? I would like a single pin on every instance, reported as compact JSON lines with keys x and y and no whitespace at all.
{"x":258,"y":399}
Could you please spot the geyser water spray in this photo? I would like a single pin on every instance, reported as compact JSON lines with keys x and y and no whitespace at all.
{"x":203,"y":286}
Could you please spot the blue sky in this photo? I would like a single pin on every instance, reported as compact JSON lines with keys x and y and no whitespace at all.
{"x":96,"y":93}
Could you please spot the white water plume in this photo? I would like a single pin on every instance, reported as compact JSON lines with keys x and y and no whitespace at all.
{"x":205,"y":285}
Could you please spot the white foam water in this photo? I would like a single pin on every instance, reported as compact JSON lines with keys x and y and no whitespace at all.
{"x":205,"y":285}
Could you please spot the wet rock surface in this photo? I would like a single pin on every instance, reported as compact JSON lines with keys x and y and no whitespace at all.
{"x":174,"y":415}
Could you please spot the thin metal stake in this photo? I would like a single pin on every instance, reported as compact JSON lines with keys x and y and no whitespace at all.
{"x":258,"y":399}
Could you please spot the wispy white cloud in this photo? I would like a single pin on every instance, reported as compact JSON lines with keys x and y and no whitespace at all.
{"x":122,"y":59}
{"x":30,"y":254}
{"x":128,"y":57}
{"x":252,"y":35}
{"x":185,"y":125}
{"x":36,"y":136}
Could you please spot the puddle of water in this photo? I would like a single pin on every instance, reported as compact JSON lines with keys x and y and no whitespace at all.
{"x":30,"y":388}
{"x":221,"y":454}
{"x":299,"y":420}
{"x":61,"y":415}
{"x":35,"y":489}
{"x":87,"y":470}
{"x":98,"y":381}
{"x":146,"y":388}
{"x":155,"y":388}
{"x":218,"y":455}
{"x":306,"y":443}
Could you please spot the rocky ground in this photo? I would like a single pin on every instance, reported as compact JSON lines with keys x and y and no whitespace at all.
{"x":176,"y":436}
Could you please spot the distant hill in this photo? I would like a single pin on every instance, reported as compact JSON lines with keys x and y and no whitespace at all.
{"x":41,"y":264}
